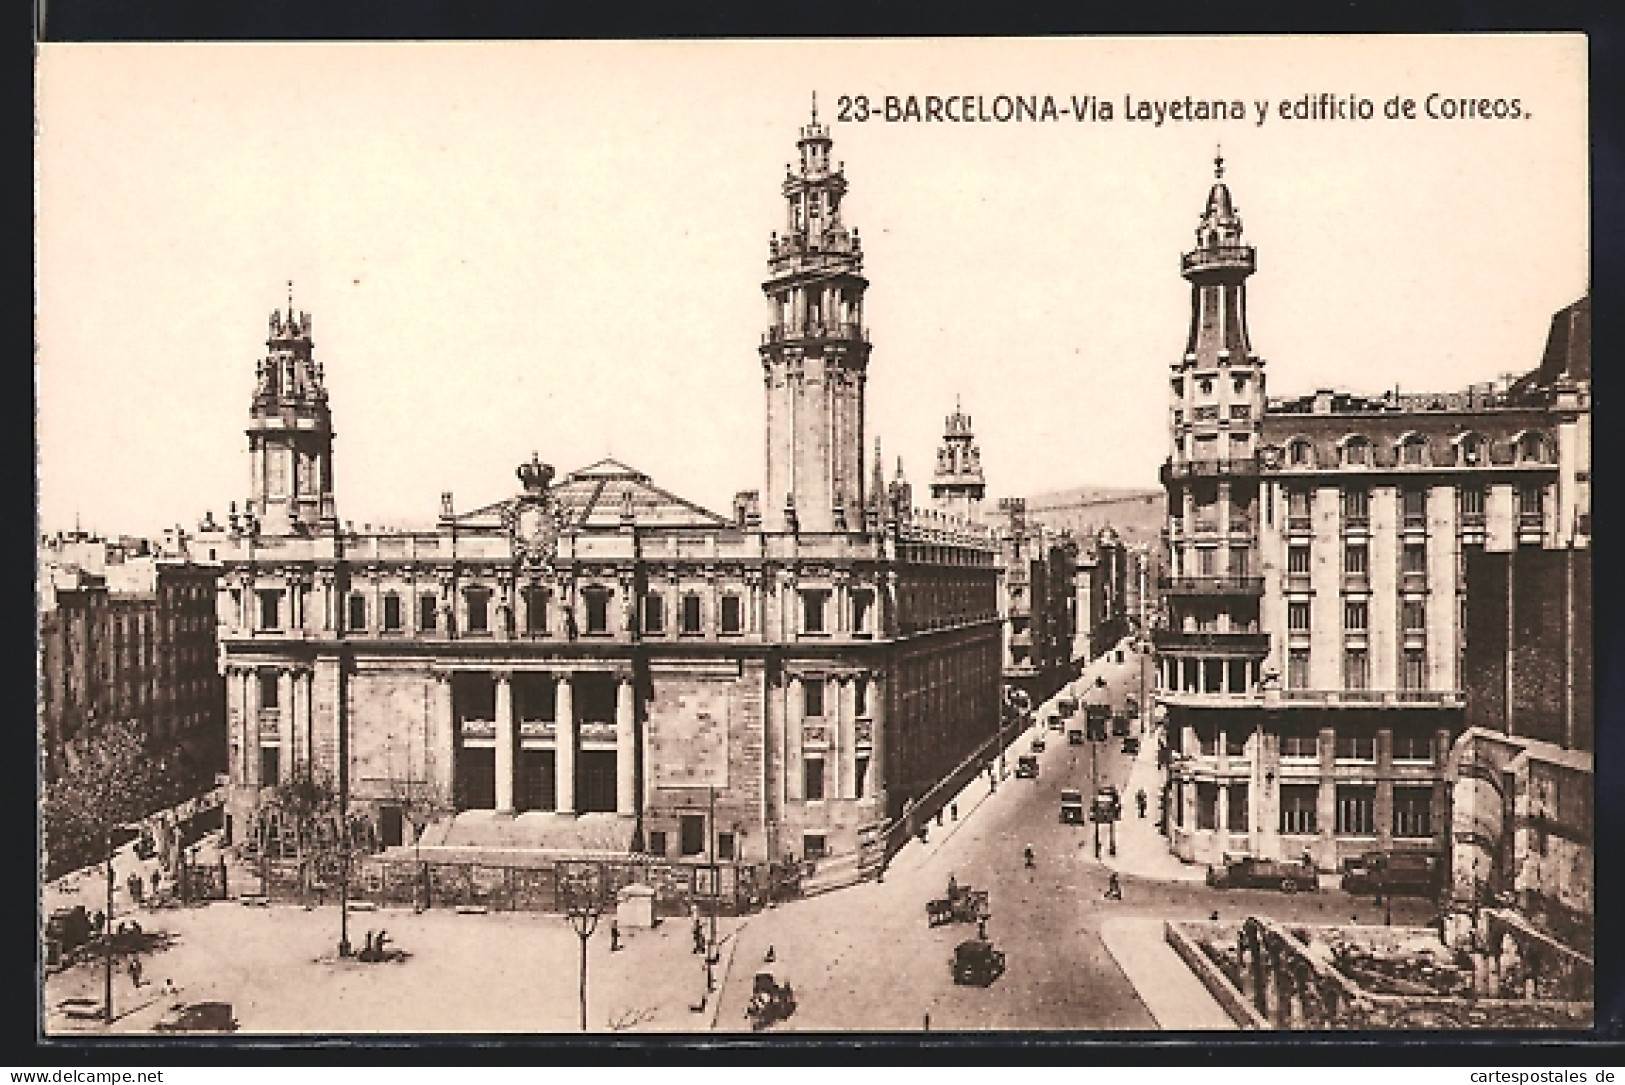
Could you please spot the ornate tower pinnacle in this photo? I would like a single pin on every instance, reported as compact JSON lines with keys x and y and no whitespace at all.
{"x":957,"y":485}
{"x":290,"y":431}
{"x":815,"y":352}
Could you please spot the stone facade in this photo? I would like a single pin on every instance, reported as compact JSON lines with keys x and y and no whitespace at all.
{"x":594,"y":650}
{"x":1317,"y":550}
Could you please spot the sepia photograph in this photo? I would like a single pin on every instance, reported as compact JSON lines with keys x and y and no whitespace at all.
{"x":753,"y":538}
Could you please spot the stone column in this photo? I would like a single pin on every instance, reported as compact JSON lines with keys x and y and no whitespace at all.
{"x":846,"y":764}
{"x":564,"y":747}
{"x":505,"y":742}
{"x":445,"y":732}
{"x":626,"y":775}
{"x":877,"y":741}
{"x":795,"y":704}
{"x":251,"y":727}
{"x":1326,"y":800}
{"x":285,"y":725}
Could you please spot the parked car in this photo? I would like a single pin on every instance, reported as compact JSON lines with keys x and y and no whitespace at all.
{"x":1131,"y":745}
{"x":1119,"y":725}
{"x":1027,"y":766}
{"x":1251,"y":872}
{"x":1108,"y":805}
{"x":198,"y":1017}
{"x":1038,"y":742}
{"x":1399,"y":873}
{"x":1097,"y":717}
{"x":1074,"y":736}
{"x":976,"y":963}
{"x":1071,"y":806}
{"x":1067,"y":707}
{"x":1054,"y":723}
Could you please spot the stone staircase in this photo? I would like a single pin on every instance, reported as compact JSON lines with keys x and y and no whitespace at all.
{"x":834,"y":873}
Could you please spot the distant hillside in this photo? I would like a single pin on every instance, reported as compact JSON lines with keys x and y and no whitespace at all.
{"x":1136,"y":514}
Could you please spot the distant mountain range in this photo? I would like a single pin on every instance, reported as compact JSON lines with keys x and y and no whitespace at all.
{"x":1136,"y":514}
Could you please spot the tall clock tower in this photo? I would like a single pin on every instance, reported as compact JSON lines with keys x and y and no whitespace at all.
{"x":290,"y":433}
{"x":815,"y":352}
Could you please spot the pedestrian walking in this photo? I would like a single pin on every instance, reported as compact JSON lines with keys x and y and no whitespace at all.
{"x":1139,"y":801}
{"x":157,"y":880}
{"x":699,"y":934}
{"x":1114,"y":888}
{"x":953,"y":810}
{"x":614,"y":936}
{"x":133,"y":884}
{"x":135,"y":970}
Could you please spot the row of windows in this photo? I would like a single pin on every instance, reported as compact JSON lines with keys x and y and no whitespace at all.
{"x":814,"y":701}
{"x":1355,"y":504}
{"x":1357,"y":668}
{"x":1356,"y":616}
{"x":1414,"y":450}
{"x":1350,"y":744}
{"x":1354,"y":810}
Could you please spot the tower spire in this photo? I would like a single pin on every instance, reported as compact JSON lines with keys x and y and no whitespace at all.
{"x":1218,"y":162}
{"x":815,"y":107}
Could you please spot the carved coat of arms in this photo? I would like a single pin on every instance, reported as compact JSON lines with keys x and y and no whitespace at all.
{"x":535,"y":518}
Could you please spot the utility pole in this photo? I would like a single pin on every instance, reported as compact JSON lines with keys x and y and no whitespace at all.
{"x":716,"y":887}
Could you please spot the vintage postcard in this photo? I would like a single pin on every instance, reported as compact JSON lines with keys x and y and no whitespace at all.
{"x":740,"y":536}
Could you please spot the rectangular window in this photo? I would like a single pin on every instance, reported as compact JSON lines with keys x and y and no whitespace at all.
{"x":1207,"y":805}
{"x":1413,"y":672}
{"x":860,"y":697}
{"x":1207,"y":739}
{"x":597,"y":611}
{"x":358,"y":611}
{"x":1238,"y":561}
{"x":691,"y":614}
{"x":271,"y":608}
{"x":428,"y":612}
{"x":1300,"y":745}
{"x":1355,"y":559}
{"x":731,"y":614}
{"x":1297,"y":504}
{"x":1413,"y":559}
{"x":1356,"y":811}
{"x":862,"y":607}
{"x":1472,"y":502}
{"x":1297,"y":560}
{"x":1355,"y":612}
{"x":691,"y":832}
{"x":1413,"y":615}
{"x":535,"y":610}
{"x":812,"y":610}
{"x":1297,"y":668}
{"x":1413,"y":811}
{"x":812,"y":772}
{"x":1414,"y":506}
{"x":479,"y":610}
{"x":654,"y":614}
{"x":1356,"y":744}
{"x":813,"y":846}
{"x":1355,"y":670}
{"x":1297,"y":617}
{"x":1237,"y":813}
{"x":725,"y":846}
{"x":657,"y":842}
{"x":1529,"y":499}
{"x":1205,"y":561}
{"x":1356,"y":508}
{"x":269,"y":689}
{"x":812,"y":696}
{"x":270,"y":765}
{"x":392,"y":613}
{"x":1411,"y":746}
{"x":1298,"y":803}
{"x":860,"y":776}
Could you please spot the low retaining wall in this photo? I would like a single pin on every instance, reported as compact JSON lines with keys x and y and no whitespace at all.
{"x":1232,"y":1001}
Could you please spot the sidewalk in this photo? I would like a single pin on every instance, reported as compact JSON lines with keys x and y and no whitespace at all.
{"x":1175,"y":997}
{"x":976,"y":791}
{"x":1142,"y":852}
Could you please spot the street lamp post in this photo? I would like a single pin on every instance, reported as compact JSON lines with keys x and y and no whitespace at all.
{"x":583,"y":907}
{"x":1094,"y":791}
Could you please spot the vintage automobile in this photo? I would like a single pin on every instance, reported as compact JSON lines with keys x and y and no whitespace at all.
{"x":1107,"y":805}
{"x":1067,"y":707}
{"x":770,"y":1001}
{"x":961,"y":905}
{"x":65,"y":931}
{"x":1097,"y":718}
{"x":1054,"y":723}
{"x":1071,"y":806}
{"x":1397,"y":873}
{"x":198,"y":1017}
{"x":976,"y":963}
{"x":1251,"y":872}
{"x":1131,"y":745}
{"x":1119,"y":724}
{"x":1074,"y":736}
{"x":1027,"y":767}
{"x":1038,"y":743}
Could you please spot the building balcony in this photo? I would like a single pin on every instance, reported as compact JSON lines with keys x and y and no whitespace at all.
{"x":855,"y":333}
{"x":1212,"y":642}
{"x":1298,"y":525}
{"x":1413,"y":581}
{"x":1356,"y":522}
{"x":1225,"y":468}
{"x":1387,"y":698}
{"x":1220,"y":258}
{"x":1211,"y":585}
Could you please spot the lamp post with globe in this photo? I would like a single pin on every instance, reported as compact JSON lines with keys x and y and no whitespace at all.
{"x":583,"y":905}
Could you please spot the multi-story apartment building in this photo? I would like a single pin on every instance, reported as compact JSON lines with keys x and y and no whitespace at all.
{"x":127,"y":632}
{"x":595,"y":661}
{"x":1317,"y":548}
{"x":1037,"y":585}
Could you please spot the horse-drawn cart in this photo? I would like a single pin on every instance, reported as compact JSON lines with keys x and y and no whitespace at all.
{"x":959,"y":906}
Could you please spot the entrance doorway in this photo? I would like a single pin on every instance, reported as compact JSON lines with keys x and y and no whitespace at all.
{"x":692,"y":834}
{"x":595,"y":781}
{"x":389,"y":825}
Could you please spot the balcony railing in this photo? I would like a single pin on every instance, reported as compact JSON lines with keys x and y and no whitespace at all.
{"x":1297,"y":524}
{"x":1233,"y":642}
{"x":1220,"y":256}
{"x":778,"y":333}
{"x":1247,"y":465}
{"x":1211,"y":585}
{"x":1399,"y":697}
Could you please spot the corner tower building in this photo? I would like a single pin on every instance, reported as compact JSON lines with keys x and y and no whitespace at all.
{"x":815,"y":353}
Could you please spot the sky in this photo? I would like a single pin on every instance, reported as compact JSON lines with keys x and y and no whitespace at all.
{"x":558,"y":247}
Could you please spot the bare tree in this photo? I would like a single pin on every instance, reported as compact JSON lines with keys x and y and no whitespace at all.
{"x":113,"y":781}
{"x":305,"y":802}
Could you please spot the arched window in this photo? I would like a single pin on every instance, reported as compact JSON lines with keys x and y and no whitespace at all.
{"x":1469,"y":450}
{"x":1413,"y":450}
{"x":1356,"y":452}
{"x":1531,"y":448}
{"x":1300,"y":454}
